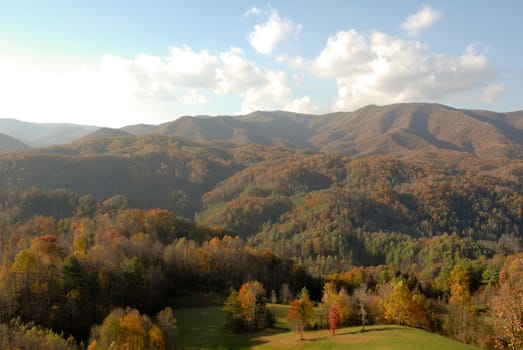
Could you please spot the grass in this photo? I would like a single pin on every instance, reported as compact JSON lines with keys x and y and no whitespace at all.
{"x":203,"y":328}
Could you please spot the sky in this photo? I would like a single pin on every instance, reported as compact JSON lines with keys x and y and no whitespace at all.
{"x":115,"y":63}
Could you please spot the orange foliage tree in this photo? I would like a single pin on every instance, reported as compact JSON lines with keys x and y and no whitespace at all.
{"x":300,"y":312}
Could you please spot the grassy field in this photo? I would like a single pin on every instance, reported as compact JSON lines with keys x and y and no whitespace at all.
{"x":203,"y":328}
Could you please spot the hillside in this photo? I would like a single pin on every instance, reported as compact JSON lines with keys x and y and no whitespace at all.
{"x":43,"y":134}
{"x":409,"y":130}
{"x":103,"y":133}
{"x":8,"y":143}
{"x":296,"y":202}
{"x":399,"y":130}
{"x":280,"y":215}
{"x":198,"y":330}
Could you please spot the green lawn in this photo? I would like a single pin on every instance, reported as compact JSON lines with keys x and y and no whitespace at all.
{"x":203,"y":328}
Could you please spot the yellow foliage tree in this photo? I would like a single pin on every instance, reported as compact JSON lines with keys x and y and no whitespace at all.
{"x":396,"y":302}
{"x":506,"y":307}
{"x":300,"y":312}
{"x":127,"y":330}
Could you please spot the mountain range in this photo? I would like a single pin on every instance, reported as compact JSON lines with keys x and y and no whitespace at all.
{"x":43,"y":134}
{"x":399,"y":130}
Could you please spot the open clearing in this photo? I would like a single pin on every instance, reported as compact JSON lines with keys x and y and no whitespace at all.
{"x":203,"y":328}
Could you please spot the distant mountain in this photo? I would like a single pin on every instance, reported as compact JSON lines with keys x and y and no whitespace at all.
{"x":103,"y":133}
{"x":43,"y":134}
{"x":8,"y":143}
{"x":139,"y":129}
{"x":239,"y":130}
{"x":400,"y":130}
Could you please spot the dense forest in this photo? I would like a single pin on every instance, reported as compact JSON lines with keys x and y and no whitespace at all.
{"x":121,"y":229}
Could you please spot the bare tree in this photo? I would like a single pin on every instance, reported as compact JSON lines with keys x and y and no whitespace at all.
{"x":361,"y":300}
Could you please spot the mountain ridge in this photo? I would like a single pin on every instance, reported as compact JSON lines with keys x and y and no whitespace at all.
{"x":9,"y":143}
{"x":44,"y":134}
{"x":399,"y":130}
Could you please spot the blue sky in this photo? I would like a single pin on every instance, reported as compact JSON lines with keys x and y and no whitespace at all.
{"x":115,"y":63}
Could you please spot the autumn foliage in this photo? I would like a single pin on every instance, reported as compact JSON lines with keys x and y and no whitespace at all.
{"x":301,"y":312}
{"x":246,"y":309}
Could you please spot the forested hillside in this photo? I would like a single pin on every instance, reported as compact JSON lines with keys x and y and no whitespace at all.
{"x":399,"y":130}
{"x":323,"y":210}
{"x":167,"y":218}
{"x":8,"y":143}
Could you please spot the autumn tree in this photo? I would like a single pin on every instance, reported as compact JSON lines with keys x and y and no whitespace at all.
{"x":396,"y":302}
{"x":232,"y":309}
{"x":301,"y":312}
{"x":506,"y":307}
{"x":333,"y":318}
{"x":246,"y":309}
{"x":336,"y":306}
{"x":460,"y":320}
{"x":402,"y":306}
{"x":167,"y":323}
{"x":127,"y":329}
{"x":361,"y":297}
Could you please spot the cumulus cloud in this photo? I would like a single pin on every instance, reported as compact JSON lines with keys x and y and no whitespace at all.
{"x":235,"y":72}
{"x":188,"y":77}
{"x":80,"y":95}
{"x":382,"y":69}
{"x":296,"y":62}
{"x":266,"y":36}
{"x":274,"y":93}
{"x":491,"y":92}
{"x":413,"y":24}
{"x":302,"y":105}
{"x":253,"y":11}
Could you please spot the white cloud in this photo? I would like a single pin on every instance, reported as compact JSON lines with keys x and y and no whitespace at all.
{"x":192,"y":97}
{"x":491,"y":92}
{"x":302,"y":105}
{"x":123,"y":91}
{"x":235,"y":73}
{"x":381,"y":69}
{"x":253,"y":11}
{"x":274,"y":93}
{"x":265,"y":37}
{"x":188,"y":77}
{"x":346,"y":52}
{"x":78,"y":96}
{"x":413,"y":24}
{"x":296,"y":62}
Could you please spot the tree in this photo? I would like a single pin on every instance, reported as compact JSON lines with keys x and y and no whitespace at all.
{"x":460,"y":319}
{"x":246,"y":309}
{"x":396,"y":302}
{"x":506,"y":307}
{"x":361,"y":296}
{"x":335,"y":305}
{"x":251,"y":296}
{"x":234,"y":320}
{"x":167,"y":323}
{"x":301,"y":312}
{"x":334,"y":318}
{"x":127,"y":329}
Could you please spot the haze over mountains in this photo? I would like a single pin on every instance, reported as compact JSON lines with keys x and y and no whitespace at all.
{"x":399,"y":130}
{"x":8,"y":143}
{"x":43,"y":134}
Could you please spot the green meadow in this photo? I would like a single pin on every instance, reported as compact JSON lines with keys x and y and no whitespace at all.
{"x":203,"y":328}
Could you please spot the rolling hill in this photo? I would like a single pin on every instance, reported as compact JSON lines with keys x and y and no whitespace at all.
{"x":400,"y":130}
{"x":408,"y":130}
{"x":103,"y":133}
{"x":8,"y":143}
{"x":43,"y":134}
